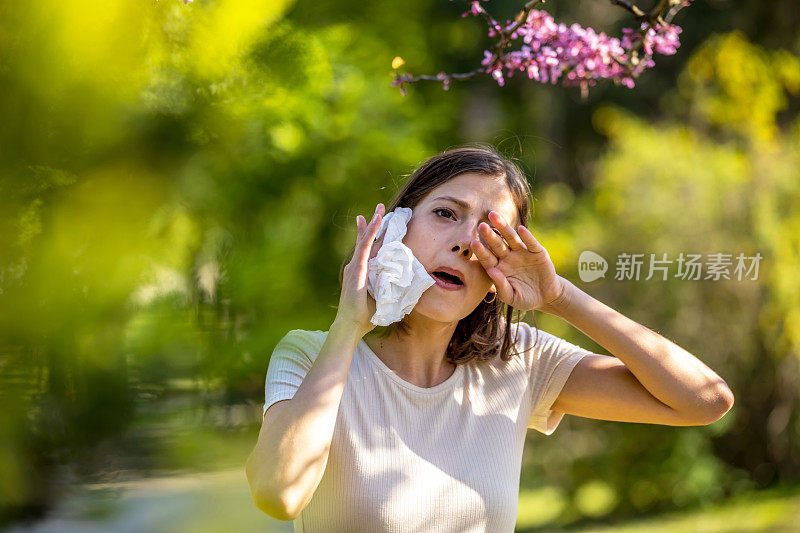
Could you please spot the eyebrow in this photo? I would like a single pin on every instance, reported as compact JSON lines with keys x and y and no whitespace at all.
{"x":461,"y":203}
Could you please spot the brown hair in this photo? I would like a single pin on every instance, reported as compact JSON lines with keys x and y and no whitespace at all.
{"x":478,"y":335}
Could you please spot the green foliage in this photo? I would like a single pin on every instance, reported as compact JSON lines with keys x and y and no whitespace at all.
{"x":744,"y":99}
{"x":179,"y":183}
{"x":722,"y":180}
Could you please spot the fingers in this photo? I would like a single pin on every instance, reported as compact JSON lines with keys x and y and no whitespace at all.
{"x":529,"y":240}
{"x":494,"y":242}
{"x":366,"y":234}
{"x":484,"y":255}
{"x":508,"y":239}
{"x":512,"y":238}
{"x":376,"y":246}
{"x":504,"y":290}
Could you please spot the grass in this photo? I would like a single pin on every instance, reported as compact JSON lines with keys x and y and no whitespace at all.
{"x":197,"y":502}
{"x":768,"y":510}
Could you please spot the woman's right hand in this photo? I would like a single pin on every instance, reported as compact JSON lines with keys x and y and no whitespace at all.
{"x":356,"y":306}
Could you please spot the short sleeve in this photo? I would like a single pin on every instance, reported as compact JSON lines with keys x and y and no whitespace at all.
{"x":553,"y":362}
{"x":290,"y":362}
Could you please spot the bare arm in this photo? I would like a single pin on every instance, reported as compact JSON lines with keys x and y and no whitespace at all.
{"x":651,"y":380}
{"x":673,"y":376}
{"x":290,"y":456}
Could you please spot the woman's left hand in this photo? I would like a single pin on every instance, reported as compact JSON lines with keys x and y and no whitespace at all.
{"x":519,"y":266}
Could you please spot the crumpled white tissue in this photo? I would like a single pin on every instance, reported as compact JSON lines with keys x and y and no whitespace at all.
{"x":395,"y":279}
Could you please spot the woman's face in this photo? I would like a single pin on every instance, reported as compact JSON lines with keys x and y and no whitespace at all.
{"x":440,"y":232}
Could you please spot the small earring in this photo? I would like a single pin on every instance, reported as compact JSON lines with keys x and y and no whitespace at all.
{"x":494,"y":295}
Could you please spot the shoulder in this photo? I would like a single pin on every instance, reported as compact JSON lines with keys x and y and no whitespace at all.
{"x":301,"y":342}
{"x":520,"y":337}
{"x":304,"y":335}
{"x":534,"y":344}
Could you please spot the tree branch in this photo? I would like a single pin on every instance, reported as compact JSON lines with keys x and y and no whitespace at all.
{"x":631,"y":63}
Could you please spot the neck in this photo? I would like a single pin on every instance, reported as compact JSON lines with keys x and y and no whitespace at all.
{"x":418,"y":357}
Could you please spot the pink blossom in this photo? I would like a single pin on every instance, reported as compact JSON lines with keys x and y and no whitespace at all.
{"x":498,"y":75}
{"x":550,"y":49}
{"x":474,"y":8}
{"x":397,"y":82}
{"x":574,"y":55}
{"x":445,"y":80}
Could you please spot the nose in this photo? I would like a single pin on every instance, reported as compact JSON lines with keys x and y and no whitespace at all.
{"x":462,"y":245}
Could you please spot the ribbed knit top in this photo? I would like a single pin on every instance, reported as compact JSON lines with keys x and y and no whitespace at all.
{"x":442,"y":459}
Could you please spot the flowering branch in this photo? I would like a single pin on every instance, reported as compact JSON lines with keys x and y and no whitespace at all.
{"x":574,"y":55}
{"x":630,"y":7}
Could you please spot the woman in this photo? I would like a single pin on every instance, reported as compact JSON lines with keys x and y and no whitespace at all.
{"x":420,"y":425}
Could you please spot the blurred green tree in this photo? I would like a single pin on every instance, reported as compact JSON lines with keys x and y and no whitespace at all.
{"x":721,"y":176}
{"x":178,"y":184}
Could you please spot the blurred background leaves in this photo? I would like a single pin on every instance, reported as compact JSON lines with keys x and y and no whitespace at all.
{"x":179,"y":183}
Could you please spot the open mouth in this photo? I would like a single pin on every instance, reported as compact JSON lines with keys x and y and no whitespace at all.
{"x":449,"y":278}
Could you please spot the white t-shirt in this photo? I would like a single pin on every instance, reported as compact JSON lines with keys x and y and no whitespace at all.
{"x":442,"y":459}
